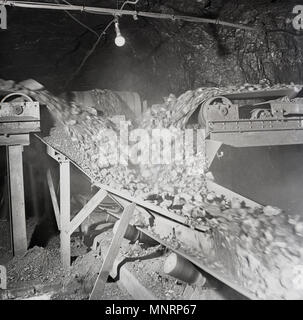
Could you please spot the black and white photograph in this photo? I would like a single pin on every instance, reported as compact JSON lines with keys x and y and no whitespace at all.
{"x":151,"y":150}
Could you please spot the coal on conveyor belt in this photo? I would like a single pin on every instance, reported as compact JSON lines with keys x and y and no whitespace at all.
{"x":263,"y":245}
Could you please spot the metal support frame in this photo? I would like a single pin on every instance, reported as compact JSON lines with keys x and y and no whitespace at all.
{"x":259,"y":139}
{"x":242,"y":131}
{"x":211,"y":148}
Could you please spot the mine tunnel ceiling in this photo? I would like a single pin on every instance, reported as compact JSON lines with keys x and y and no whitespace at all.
{"x":159,"y":56}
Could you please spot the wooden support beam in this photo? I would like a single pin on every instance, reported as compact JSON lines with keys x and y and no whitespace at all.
{"x":91,"y":205}
{"x":53,"y":197}
{"x":112,"y":253}
{"x":65,"y":213}
{"x":17,"y":199}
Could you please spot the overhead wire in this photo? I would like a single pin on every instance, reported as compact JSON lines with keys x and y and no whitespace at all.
{"x":91,"y":51}
{"x":78,"y":21}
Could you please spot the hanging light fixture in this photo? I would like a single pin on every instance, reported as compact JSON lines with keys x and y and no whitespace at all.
{"x":119,"y":40}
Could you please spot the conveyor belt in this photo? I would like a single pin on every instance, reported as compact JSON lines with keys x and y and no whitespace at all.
{"x":173,"y":221}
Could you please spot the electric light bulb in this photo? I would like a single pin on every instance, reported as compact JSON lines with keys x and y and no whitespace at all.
{"x":119,"y":41}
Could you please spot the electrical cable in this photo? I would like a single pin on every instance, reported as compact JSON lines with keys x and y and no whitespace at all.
{"x":78,"y":21}
{"x":91,"y":51}
{"x":128,"y":2}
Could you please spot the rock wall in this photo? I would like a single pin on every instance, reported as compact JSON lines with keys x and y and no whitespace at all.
{"x":159,"y":56}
